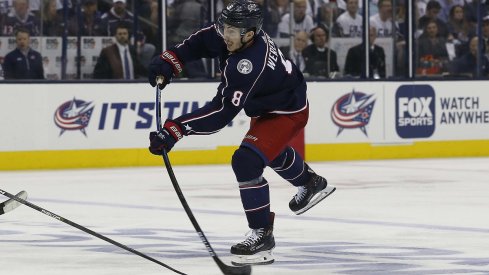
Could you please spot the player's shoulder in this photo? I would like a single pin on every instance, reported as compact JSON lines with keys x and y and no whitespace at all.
{"x":249,"y":62}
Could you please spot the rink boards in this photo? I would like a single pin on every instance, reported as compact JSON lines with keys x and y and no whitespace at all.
{"x":103,"y":125}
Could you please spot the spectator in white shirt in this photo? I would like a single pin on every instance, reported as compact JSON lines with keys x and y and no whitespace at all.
{"x":350,"y":22}
{"x":382,"y":21}
{"x":300,"y":21}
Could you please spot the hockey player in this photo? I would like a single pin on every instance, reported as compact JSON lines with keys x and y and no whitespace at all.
{"x":257,"y":78}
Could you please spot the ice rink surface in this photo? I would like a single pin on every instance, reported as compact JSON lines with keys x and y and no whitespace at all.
{"x":428,"y":216}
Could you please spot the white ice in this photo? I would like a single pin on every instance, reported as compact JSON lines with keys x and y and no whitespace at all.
{"x":422,"y":216}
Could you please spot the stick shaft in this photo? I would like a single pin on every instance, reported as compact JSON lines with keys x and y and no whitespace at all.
{"x":224,"y":268}
{"x":86,"y":230}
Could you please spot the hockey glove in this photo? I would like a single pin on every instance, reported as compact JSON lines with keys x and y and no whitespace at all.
{"x":166,"y":65}
{"x":166,"y":137}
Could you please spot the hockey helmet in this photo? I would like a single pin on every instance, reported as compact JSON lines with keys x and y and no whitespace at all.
{"x":243,"y":14}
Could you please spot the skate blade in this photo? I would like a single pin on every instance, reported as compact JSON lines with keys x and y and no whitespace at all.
{"x":317,"y":198}
{"x":260,"y":258}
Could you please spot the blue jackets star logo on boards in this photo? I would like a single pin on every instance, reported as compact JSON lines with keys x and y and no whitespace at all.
{"x":73,"y":115}
{"x":353,"y":110}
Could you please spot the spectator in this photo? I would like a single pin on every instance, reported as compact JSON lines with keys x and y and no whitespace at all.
{"x":295,"y":53}
{"x":320,"y":60}
{"x":328,"y":14}
{"x":459,"y":29}
{"x":446,"y":6}
{"x":431,"y":42}
{"x":356,"y":56}
{"x":20,"y":17}
{"x":117,"y":14}
{"x":343,"y":5}
{"x":432,"y":50}
{"x":35,"y":6}
{"x":432,"y":10}
{"x":23,"y":62}
{"x":382,"y":21}
{"x":300,"y":22}
{"x":421,"y":8}
{"x":119,"y":61}
{"x":52,"y":21}
{"x":4,"y":8}
{"x":350,"y":22}
{"x":467,"y":63}
{"x":90,"y":23}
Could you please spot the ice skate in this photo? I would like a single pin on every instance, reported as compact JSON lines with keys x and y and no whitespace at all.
{"x":257,"y":248}
{"x":316,"y":190}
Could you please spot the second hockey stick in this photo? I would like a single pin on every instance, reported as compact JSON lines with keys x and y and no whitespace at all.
{"x":225,"y":269}
{"x":84,"y":229}
{"x":11,"y":204}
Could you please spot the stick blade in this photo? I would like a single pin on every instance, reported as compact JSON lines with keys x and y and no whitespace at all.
{"x":11,"y":204}
{"x":234,"y":270}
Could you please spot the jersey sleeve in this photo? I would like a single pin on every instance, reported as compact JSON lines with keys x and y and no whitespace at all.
{"x":204,"y":43}
{"x":240,"y":81}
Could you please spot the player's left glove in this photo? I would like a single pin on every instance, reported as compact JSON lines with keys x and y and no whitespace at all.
{"x":166,"y":137}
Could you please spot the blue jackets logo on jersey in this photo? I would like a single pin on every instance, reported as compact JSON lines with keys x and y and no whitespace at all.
{"x":245,"y":66}
{"x":73,"y":115}
{"x":353,"y":110}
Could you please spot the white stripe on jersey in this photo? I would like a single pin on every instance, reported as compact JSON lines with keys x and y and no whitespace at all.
{"x":201,"y":30}
{"x":265,"y":56}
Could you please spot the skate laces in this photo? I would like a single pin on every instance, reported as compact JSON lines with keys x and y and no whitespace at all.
{"x":253,"y":236}
{"x":301,"y":193}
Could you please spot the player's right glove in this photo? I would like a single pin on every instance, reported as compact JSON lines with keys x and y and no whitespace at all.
{"x":166,"y":65}
{"x":166,"y":137}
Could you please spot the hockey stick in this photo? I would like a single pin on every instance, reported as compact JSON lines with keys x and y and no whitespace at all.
{"x":84,"y":229}
{"x":227,"y":270}
{"x":11,"y":204}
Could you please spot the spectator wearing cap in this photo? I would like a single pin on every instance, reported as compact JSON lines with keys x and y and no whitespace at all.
{"x":119,"y":61}
{"x":23,"y":62}
{"x":20,"y":17}
{"x":433,"y":8}
{"x":89,"y":23}
{"x":320,"y":60}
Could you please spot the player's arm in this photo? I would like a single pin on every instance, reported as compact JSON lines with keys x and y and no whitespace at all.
{"x":204,"y":121}
{"x":230,"y":99}
{"x":205,"y":43}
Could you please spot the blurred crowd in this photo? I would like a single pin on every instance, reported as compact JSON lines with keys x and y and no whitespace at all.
{"x":324,"y":38}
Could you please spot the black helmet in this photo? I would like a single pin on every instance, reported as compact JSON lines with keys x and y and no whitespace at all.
{"x":244,"y":14}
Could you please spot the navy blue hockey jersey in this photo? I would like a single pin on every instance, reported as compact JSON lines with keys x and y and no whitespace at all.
{"x":257,"y":79}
